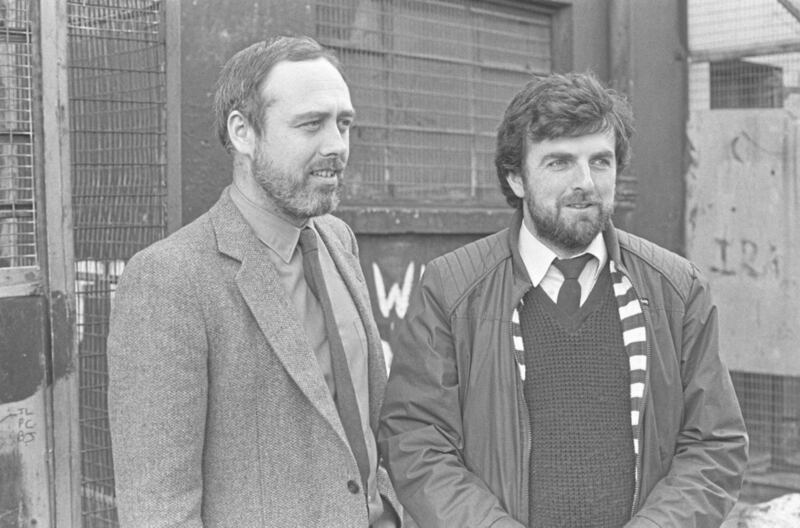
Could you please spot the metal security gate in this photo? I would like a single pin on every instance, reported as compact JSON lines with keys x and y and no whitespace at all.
{"x":121,"y":190}
{"x":743,"y":209}
{"x":17,"y":200}
{"x":431,"y":79}
{"x":24,"y":495}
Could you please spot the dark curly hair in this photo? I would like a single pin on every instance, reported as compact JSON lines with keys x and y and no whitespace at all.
{"x":556,"y":106}
{"x":241,"y":79}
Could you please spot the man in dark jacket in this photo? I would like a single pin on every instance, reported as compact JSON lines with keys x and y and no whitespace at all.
{"x":562,"y":373}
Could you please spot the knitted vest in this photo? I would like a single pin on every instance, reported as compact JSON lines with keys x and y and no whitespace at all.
{"x":577,"y":389}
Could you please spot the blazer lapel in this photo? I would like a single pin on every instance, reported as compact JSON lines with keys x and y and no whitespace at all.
{"x":350,"y":270}
{"x":261,"y":289}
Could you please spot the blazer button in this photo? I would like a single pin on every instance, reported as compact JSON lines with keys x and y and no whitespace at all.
{"x":353,"y":486}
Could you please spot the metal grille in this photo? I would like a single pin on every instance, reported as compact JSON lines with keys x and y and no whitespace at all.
{"x":744,"y":58}
{"x":17,"y":200}
{"x":745,"y":54}
{"x":118,"y":134}
{"x":771,"y":408}
{"x":430,"y":80}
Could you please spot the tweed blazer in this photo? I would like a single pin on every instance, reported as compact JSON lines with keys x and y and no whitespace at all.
{"x":219,"y":413}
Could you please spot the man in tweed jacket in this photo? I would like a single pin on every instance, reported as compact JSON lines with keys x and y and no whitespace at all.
{"x":510,"y":407}
{"x":222,"y":396}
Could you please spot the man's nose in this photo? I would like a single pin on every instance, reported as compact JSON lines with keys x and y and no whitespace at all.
{"x":335,"y":142}
{"x":582,"y":175}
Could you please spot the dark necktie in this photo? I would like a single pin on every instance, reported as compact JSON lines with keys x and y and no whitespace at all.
{"x":569,"y":296}
{"x":346,"y":403}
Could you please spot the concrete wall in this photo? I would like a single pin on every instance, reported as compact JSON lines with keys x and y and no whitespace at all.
{"x":742,"y":230}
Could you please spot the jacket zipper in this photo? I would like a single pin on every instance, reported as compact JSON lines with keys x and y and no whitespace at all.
{"x":524,"y":492}
{"x":640,"y":426}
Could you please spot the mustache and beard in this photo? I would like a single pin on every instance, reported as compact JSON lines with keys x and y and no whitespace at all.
{"x":570,"y":234}
{"x":301,"y":197}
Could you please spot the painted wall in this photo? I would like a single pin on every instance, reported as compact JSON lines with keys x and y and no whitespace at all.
{"x":392,"y":266}
{"x":659,"y":98}
{"x":590,"y":27}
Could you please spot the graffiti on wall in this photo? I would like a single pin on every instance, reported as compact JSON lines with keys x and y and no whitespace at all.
{"x":743,"y":256}
{"x":392,"y":302}
{"x":17,"y":426}
{"x":22,"y":471}
{"x":395,"y":297}
{"x":741,"y":229}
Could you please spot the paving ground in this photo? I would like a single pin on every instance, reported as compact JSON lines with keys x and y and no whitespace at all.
{"x":733,"y":518}
{"x":780,"y":512}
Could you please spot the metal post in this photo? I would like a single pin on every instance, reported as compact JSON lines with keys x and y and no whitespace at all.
{"x":65,"y":440}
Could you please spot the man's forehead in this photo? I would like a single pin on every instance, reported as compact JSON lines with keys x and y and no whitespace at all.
{"x":599,"y":141}
{"x":298,"y":81}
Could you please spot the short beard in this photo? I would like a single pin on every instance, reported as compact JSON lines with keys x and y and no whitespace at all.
{"x":553,"y":228}
{"x":295,"y":197}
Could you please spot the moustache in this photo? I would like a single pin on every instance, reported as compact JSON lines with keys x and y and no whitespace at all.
{"x":579,"y":197}
{"x":328,"y":165}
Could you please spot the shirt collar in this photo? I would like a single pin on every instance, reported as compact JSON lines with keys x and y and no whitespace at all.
{"x":278,"y":234}
{"x":537,"y":257}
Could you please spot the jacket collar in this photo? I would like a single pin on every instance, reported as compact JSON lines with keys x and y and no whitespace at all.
{"x":612,"y":243}
{"x":233,"y":235}
{"x":517,"y":265}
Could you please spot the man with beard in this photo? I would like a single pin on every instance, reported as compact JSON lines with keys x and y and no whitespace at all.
{"x":562,"y":373}
{"x":245,"y":367}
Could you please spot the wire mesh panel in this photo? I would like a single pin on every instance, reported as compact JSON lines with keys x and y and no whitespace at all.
{"x":770,"y":404}
{"x":118,"y":136}
{"x":17,"y":201}
{"x":742,"y":189}
{"x":430,"y":80}
{"x":745,"y":54}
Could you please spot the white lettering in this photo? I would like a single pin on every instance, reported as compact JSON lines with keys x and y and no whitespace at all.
{"x":397,"y":296}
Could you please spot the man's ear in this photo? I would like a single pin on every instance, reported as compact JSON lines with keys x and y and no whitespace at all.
{"x":516,"y":182}
{"x":241,"y":134}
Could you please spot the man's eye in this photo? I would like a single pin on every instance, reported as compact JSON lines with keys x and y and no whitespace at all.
{"x":345,"y":124}
{"x":311,"y":125}
{"x":557,"y":164}
{"x":602,"y":163}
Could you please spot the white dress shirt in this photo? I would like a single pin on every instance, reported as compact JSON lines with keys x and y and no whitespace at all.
{"x":538,"y":260}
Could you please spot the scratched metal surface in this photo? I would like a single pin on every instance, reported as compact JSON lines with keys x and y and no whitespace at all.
{"x":23,"y":474}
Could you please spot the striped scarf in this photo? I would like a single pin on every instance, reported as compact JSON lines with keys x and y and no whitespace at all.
{"x":633,"y":336}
